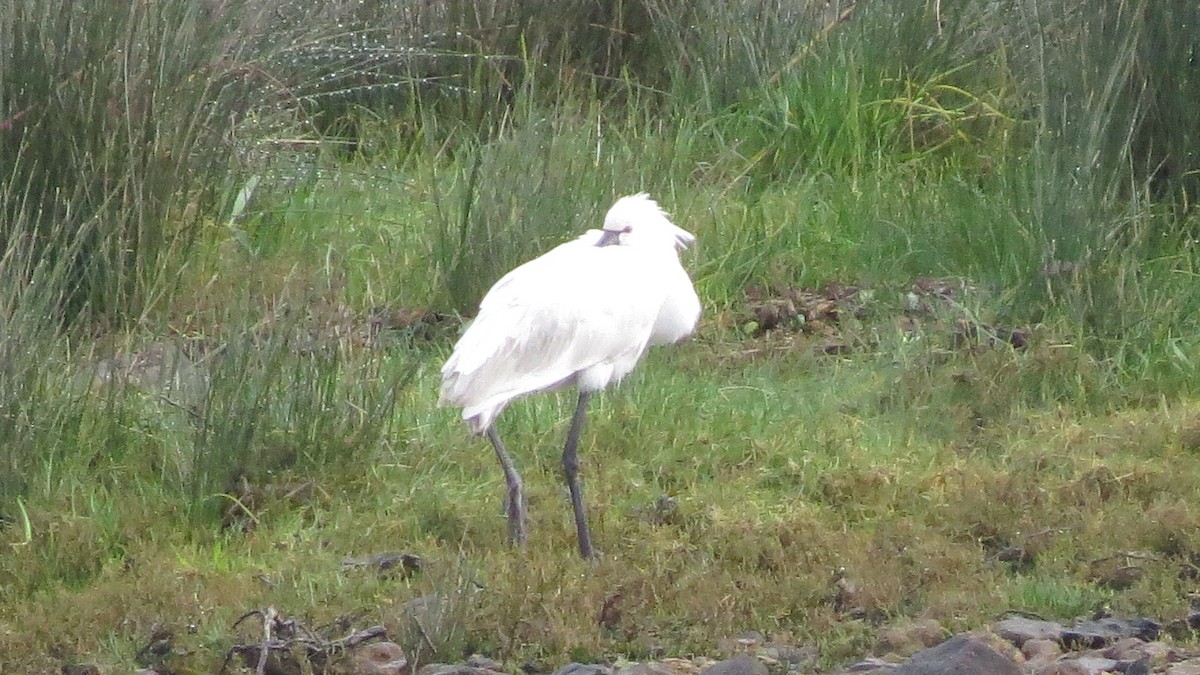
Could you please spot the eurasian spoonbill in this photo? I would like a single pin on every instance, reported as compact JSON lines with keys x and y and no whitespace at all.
{"x":582,"y":314}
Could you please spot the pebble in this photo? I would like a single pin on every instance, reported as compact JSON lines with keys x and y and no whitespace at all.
{"x":960,"y":655}
{"x":738,"y":665}
{"x":1013,"y":646}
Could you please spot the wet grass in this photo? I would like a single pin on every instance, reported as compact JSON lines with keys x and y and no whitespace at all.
{"x":732,"y":480}
{"x":268,"y":411}
{"x":783,"y":471}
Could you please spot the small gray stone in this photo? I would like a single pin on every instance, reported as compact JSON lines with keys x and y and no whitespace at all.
{"x":1018,"y":629}
{"x":1139,"y":667}
{"x":645,"y":669}
{"x":1096,"y":634}
{"x":481,"y":661}
{"x":1096,"y":665}
{"x":738,"y":665}
{"x":1157,"y":652}
{"x":1064,"y":667}
{"x":1125,"y":649}
{"x":872,"y":665}
{"x":378,"y":658}
{"x":1189,"y":667}
{"x":910,"y":638}
{"x":1040,"y":652}
{"x":452,"y":669}
{"x":584,"y":669}
{"x":797,"y":658}
{"x":960,"y":655}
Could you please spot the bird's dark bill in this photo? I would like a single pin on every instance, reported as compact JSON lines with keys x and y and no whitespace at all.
{"x":609,"y":238}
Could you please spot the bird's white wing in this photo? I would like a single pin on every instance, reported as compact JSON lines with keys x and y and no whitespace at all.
{"x":680,"y":309}
{"x":579,"y":313}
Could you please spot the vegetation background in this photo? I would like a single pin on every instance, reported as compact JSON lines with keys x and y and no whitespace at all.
{"x":235,"y":236}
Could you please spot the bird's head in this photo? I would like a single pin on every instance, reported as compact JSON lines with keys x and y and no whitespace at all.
{"x":637,"y":220}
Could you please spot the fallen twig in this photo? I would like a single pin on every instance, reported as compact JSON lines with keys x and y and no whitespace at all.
{"x":280,"y":637}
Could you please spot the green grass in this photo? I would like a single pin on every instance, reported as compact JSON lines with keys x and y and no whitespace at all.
{"x":251,"y":419}
{"x":909,"y":464}
{"x":909,"y":474}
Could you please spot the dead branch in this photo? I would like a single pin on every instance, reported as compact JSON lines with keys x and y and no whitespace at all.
{"x":281,"y":638}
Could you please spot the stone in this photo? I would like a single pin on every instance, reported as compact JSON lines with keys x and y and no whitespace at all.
{"x":1065,"y":667}
{"x":1125,"y":649}
{"x":1093,"y":634}
{"x":1189,"y":667}
{"x":1018,"y":629}
{"x":872,"y":665}
{"x":911,"y":638}
{"x":683,"y":666}
{"x":483,"y":662}
{"x":796,"y":658}
{"x":645,"y":669}
{"x":1139,"y":667}
{"x":584,"y":669}
{"x":745,"y":642}
{"x":1040,"y":652}
{"x":160,"y":369}
{"x":1002,"y":646}
{"x":378,"y":658}
{"x":960,"y":655}
{"x":1159,"y":653}
{"x":392,"y":564}
{"x":1040,"y":648}
{"x":1090,"y":664}
{"x":452,"y":669}
{"x":738,"y":665}
{"x":1096,"y":665}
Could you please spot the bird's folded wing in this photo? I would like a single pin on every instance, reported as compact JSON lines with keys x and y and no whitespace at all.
{"x":548,"y":320}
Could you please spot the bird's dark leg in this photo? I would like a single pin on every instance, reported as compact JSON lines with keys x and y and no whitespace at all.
{"x":514,"y":502}
{"x":570,"y":463}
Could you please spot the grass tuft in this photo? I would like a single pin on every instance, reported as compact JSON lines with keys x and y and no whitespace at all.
{"x":237,"y":242}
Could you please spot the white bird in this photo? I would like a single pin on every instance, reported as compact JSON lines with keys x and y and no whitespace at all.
{"x":582,"y":314}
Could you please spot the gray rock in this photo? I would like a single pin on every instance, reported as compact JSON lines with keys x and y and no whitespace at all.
{"x":452,"y":669}
{"x":584,"y":669}
{"x":161,"y":369}
{"x":1157,"y":654}
{"x":738,"y":665}
{"x":1189,"y":667}
{"x":1018,"y":629}
{"x":794,"y":657}
{"x":645,"y":669}
{"x":1064,"y":667}
{"x":403,"y":565}
{"x":1040,"y":652}
{"x":910,"y":638}
{"x":1098,"y":633}
{"x":1125,"y":649}
{"x":750,"y":638}
{"x":378,"y":658}
{"x":483,"y":662}
{"x":872,"y":665}
{"x":1139,"y":667}
{"x":744,"y":643}
{"x":1096,"y":665}
{"x":960,"y":655}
